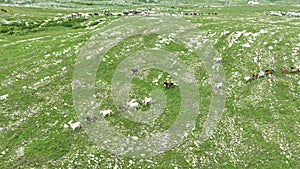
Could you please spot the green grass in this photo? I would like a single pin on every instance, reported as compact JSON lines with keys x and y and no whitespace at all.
{"x":259,"y":127}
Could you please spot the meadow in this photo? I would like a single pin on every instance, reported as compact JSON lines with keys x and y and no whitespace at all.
{"x":259,"y":127}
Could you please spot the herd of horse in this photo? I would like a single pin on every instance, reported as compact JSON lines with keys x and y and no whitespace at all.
{"x":168,"y":84}
{"x":196,"y":13}
{"x":126,"y":13}
{"x":271,"y":71}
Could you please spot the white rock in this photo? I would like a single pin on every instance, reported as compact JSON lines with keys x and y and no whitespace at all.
{"x":20,"y":151}
{"x":66,"y":126}
{"x":3,"y":97}
{"x":247,"y":78}
{"x":135,"y":138}
{"x":246,"y":45}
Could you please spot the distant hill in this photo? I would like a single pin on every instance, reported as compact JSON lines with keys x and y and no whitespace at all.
{"x":85,"y":3}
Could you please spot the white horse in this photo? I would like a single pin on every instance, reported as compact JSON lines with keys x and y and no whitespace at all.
{"x":106,"y":112}
{"x":147,"y":100}
{"x":133,"y":104}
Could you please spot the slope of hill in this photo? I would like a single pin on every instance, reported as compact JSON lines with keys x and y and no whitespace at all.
{"x":259,"y":127}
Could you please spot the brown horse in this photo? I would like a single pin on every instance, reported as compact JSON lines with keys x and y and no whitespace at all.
{"x":169,"y":84}
{"x":283,"y":70}
{"x":295,"y":69}
{"x":269,"y":71}
{"x":254,"y":76}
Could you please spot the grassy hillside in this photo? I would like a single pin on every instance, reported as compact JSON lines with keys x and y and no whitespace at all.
{"x":97,"y":3}
{"x":259,"y":128}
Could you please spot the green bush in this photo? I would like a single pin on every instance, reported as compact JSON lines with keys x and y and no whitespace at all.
{"x":72,"y":22}
{"x":94,"y":23}
{"x":6,"y":29}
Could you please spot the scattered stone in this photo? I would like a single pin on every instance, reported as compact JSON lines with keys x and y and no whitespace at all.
{"x":3,"y":97}
{"x":66,"y":126}
{"x":135,"y":71}
{"x":122,"y":108}
{"x":20,"y":151}
{"x":91,"y":118}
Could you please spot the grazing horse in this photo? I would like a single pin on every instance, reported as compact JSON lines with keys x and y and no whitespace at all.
{"x":74,"y":15}
{"x":283,"y":70}
{"x":4,"y":10}
{"x":214,"y":92}
{"x":218,"y":60}
{"x":219,"y":85}
{"x":133,"y":104}
{"x":106,"y":112}
{"x":295,"y":69}
{"x":75,"y":125}
{"x":136,"y":12}
{"x":254,"y":76}
{"x":269,"y":71}
{"x":147,"y":101}
{"x":169,"y":84}
{"x":108,"y":14}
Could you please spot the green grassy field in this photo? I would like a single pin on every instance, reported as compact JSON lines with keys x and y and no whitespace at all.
{"x":259,"y":128}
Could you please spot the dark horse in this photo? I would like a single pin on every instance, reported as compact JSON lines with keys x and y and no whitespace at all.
{"x":169,"y":84}
{"x":269,"y":71}
{"x":4,"y":10}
